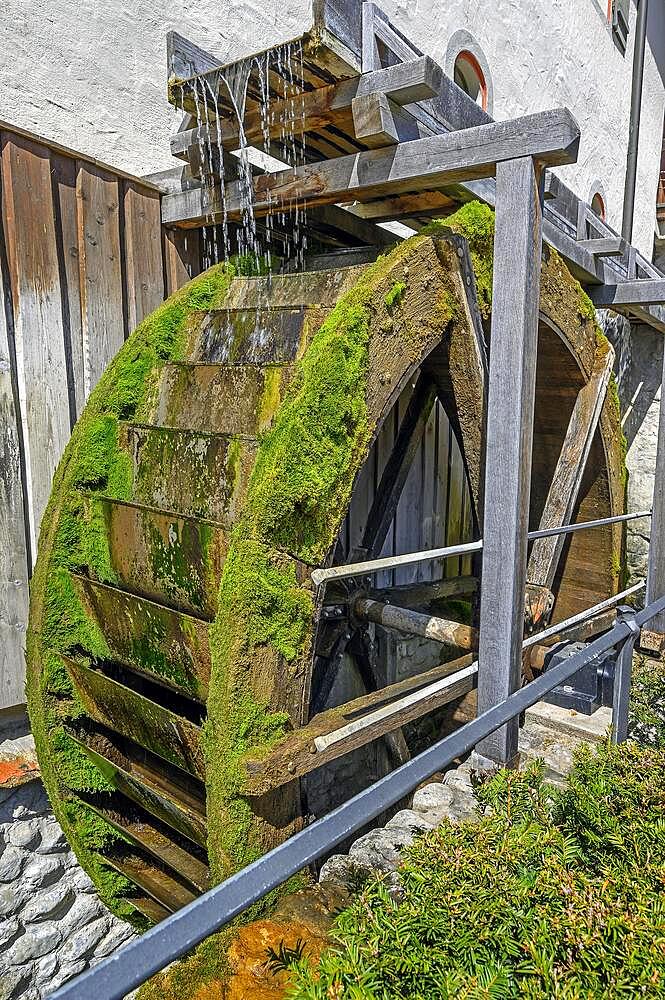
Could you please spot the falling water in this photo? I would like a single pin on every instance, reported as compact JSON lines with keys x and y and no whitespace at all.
{"x":274,"y":80}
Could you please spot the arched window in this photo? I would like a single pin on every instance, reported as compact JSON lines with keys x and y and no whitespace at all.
{"x":469,"y":76}
{"x":598,"y":205}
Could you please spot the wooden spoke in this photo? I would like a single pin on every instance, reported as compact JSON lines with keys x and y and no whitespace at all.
{"x":565,"y":485}
{"x":397,"y":469}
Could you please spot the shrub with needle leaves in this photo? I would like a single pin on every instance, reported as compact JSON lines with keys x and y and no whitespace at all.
{"x":552,"y":894}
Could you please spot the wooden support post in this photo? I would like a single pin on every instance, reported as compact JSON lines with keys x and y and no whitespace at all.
{"x":512,"y":379}
{"x":656,"y":571}
{"x":567,"y":479}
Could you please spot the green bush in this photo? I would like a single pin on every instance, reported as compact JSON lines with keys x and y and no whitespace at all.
{"x":646,"y":722}
{"x":552,"y":894}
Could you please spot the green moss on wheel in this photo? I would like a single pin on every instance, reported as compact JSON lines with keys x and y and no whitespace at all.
{"x":70,"y":541}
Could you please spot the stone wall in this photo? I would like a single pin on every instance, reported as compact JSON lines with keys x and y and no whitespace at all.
{"x":52,"y":925}
{"x":639,"y":364}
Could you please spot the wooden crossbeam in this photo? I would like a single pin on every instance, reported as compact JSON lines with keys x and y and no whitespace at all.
{"x":641,"y":292}
{"x":607,"y":246}
{"x":551,"y":137}
{"x":405,"y":83}
{"x":567,"y":479}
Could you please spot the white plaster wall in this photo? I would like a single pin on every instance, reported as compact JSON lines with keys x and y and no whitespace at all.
{"x":92,"y":76}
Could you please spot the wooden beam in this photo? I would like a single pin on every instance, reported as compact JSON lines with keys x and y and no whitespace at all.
{"x":315,"y":109}
{"x":415,"y":595}
{"x":567,"y":479}
{"x":656,"y":570}
{"x":397,"y":467}
{"x":414,"y":623}
{"x":374,"y":123}
{"x":510,"y":409}
{"x":608,"y":246}
{"x":552,"y":137}
{"x":366,"y":233}
{"x":641,"y":292}
{"x":185,"y":59}
{"x":297,"y":755}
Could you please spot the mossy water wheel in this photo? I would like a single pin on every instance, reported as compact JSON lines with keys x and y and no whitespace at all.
{"x":175,"y":637}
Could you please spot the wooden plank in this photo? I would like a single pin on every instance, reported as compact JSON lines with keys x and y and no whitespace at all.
{"x":296,"y":754}
{"x":510,"y":408}
{"x":397,"y":469}
{"x":38,"y":323}
{"x":424,"y":571}
{"x":550,"y":136}
{"x":185,"y":59}
{"x":182,"y":257}
{"x":421,"y":594}
{"x":125,"y":711}
{"x":316,"y":109}
{"x":441,"y":447}
{"x":144,"y":273}
{"x":641,"y":292}
{"x":14,"y":547}
{"x":101,"y":276}
{"x":608,"y":246}
{"x":408,"y":514}
{"x":456,"y":488}
{"x":569,"y":471}
{"x":656,"y":569}
{"x":63,"y":179}
{"x":377,"y":122}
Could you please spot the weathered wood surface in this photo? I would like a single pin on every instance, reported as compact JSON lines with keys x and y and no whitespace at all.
{"x":296,"y":755}
{"x":438,"y":160}
{"x":656,"y":570}
{"x":316,"y":109}
{"x":393,"y":478}
{"x":143,"y":253}
{"x":40,"y":344}
{"x":510,"y":411}
{"x":13,"y":543}
{"x":413,"y":623}
{"x":68,"y":302}
{"x":641,"y":292}
{"x":101,"y":276}
{"x":569,"y":472}
{"x":182,"y":257}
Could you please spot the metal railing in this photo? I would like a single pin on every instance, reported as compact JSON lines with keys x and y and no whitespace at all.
{"x":321,"y":576}
{"x":116,"y":976}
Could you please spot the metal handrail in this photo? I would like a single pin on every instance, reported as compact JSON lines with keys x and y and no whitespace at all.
{"x":320,"y":576}
{"x":116,"y":976}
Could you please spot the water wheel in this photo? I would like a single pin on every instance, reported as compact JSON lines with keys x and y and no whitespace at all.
{"x":248,"y":432}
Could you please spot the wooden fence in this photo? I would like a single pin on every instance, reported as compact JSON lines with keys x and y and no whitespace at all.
{"x":83,"y":258}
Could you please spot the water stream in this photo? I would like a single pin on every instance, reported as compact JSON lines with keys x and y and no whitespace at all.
{"x":274,"y":81}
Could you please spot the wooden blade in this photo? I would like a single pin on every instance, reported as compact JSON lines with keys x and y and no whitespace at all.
{"x":569,"y":471}
{"x":397,"y":468}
